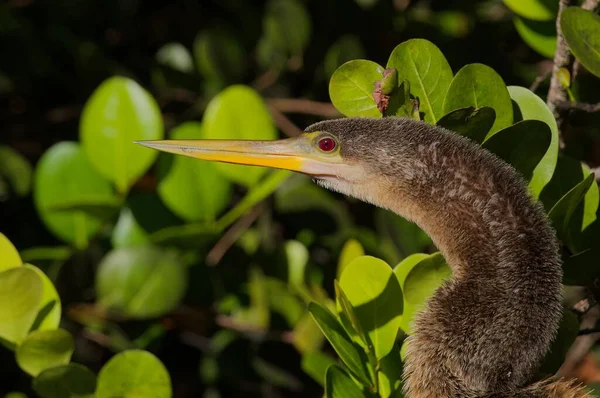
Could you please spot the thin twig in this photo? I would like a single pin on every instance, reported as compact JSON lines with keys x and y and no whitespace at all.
{"x":304,"y":106}
{"x":590,"y":5}
{"x":215,"y":255}
{"x":283,"y":123}
{"x":582,"y":106}
{"x":539,"y":80}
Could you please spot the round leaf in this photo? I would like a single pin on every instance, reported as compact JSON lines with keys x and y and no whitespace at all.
{"x":470,"y":122}
{"x":581,"y":29}
{"x":9,"y":256}
{"x":50,"y":309}
{"x":20,"y":296}
{"x":44,"y":349}
{"x":194,"y":190}
{"x":134,"y":374}
{"x":375,"y":294}
{"x":16,"y":169}
{"x":479,"y":85}
{"x":425,"y":67}
{"x":351,"y":250}
{"x":528,"y":106}
{"x":238,"y":112}
{"x":351,"y":88}
{"x":142,"y":282}
{"x":67,"y":381}
{"x":176,"y":56}
{"x":119,"y":112}
{"x":537,"y":10}
{"x":541,"y":36}
{"x":64,"y":173}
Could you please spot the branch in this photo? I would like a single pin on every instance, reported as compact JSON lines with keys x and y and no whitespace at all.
{"x":582,"y":106}
{"x":283,"y":123}
{"x":304,"y":106}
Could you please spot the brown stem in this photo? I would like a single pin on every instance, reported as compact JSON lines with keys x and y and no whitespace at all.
{"x":288,"y":105}
{"x":283,"y":123}
{"x":582,"y":106}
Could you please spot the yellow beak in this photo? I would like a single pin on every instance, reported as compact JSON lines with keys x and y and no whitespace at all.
{"x":295,"y":154}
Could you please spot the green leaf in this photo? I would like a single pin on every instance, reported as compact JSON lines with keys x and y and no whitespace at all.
{"x":283,"y":301}
{"x":67,"y":381}
{"x":175,"y":56}
{"x":581,"y":269}
{"x":561,"y":212}
{"x":307,"y":336}
{"x":581,"y":29}
{"x":425,"y":67}
{"x":403,"y":236}
{"x":523,"y":145}
{"x":9,"y":256}
{"x":20,"y":296}
{"x":16,"y":169}
{"x":338,"y":384}
{"x":538,"y":10}
{"x":351,"y":88}
{"x":297,"y":258}
{"x":345,"y":49}
{"x":315,"y":364}
{"x":349,"y":353}
{"x":65,"y":172}
{"x":479,"y":85}
{"x":351,"y":250}
{"x":142,"y":282}
{"x":374,"y":292}
{"x":119,"y":112}
{"x":390,"y":373}
{"x":134,"y":374}
{"x":45,"y":349}
{"x":50,"y":308}
{"x":194,"y":190}
{"x":469,"y":122}
{"x":127,"y":232}
{"x":219,"y":56}
{"x":56,"y":253}
{"x":257,"y":315}
{"x":348,"y":317}
{"x":567,"y":332}
{"x":287,"y":25}
{"x":540,"y":36}
{"x":238,"y":112}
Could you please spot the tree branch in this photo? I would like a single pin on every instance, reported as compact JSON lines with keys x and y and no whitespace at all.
{"x":283,"y":123}
{"x":288,"y":105}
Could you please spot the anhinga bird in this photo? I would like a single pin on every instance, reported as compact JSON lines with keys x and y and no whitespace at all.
{"x":486,"y":330}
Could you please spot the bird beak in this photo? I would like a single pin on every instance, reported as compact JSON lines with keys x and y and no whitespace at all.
{"x":295,"y":154}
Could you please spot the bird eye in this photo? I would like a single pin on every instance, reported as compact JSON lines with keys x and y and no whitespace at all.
{"x":327,"y":144}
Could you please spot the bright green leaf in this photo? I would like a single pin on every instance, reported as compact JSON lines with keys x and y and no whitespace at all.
{"x":307,"y":336}
{"x":351,"y":88}
{"x":297,"y":259}
{"x":134,"y":374}
{"x":43,"y":253}
{"x":315,"y":364}
{"x":581,"y":29}
{"x":142,"y":282}
{"x":16,"y":169}
{"x":374,"y":292}
{"x":338,"y":384}
{"x":347,"y":316}
{"x":64,"y":172}
{"x":538,"y":10}
{"x":45,"y":349}
{"x":470,"y":122}
{"x":127,"y":232}
{"x":350,"y":354}
{"x":351,"y":250}
{"x":50,"y":308}
{"x":540,"y":36}
{"x":9,"y":256}
{"x":479,"y":85}
{"x":528,"y":106}
{"x":425,"y":67}
{"x":175,"y":56}
{"x":238,"y":112}
{"x":20,"y":296}
{"x":119,"y":112}
{"x":561,"y":212}
{"x":194,"y":190}
{"x":523,"y":145}
{"x":67,"y":381}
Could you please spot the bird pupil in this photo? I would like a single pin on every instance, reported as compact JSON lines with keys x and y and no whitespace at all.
{"x":326,"y":144}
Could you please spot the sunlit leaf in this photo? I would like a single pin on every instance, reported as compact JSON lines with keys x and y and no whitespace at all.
{"x":64,"y":173}
{"x":315,"y":364}
{"x":351,"y":88}
{"x":541,"y":36}
{"x":307,"y":336}
{"x":67,"y":381}
{"x":141,"y":282}
{"x":20,"y":296}
{"x":119,"y":112}
{"x":127,"y":232}
{"x":16,"y":169}
{"x":350,"y":354}
{"x":374,"y":291}
{"x":45,"y":349}
{"x":50,"y":308}
{"x":42,"y":253}
{"x":538,"y":10}
{"x":581,"y":29}
{"x":425,"y":67}
{"x":338,"y":384}
{"x":470,"y":122}
{"x":176,"y":56}
{"x":297,"y":259}
{"x":348,"y":318}
{"x":528,"y":106}
{"x":194,"y":190}
{"x":479,"y":85}
{"x":134,"y":374}
{"x":238,"y":112}
{"x":351,"y":250}
{"x":9,"y":256}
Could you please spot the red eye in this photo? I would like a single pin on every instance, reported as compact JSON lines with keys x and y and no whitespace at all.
{"x":326,"y":144}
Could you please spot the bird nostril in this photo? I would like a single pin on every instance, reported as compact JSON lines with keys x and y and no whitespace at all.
{"x":326,"y":144}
